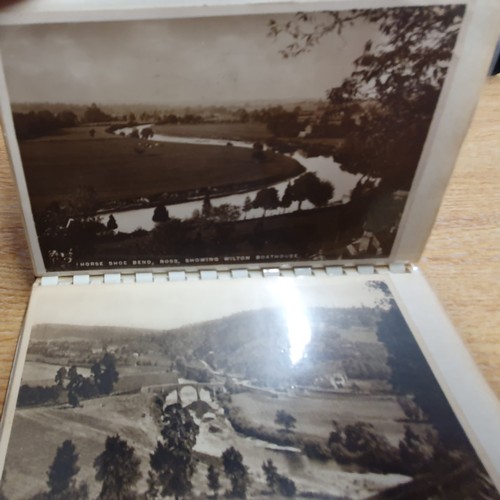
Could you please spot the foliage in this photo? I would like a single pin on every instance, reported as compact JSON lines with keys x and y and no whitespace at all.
{"x":172,"y":460}
{"x":213,"y":479}
{"x":111,"y":224}
{"x":160,"y":214}
{"x":258,"y":152}
{"x":236,"y":471}
{"x":282,"y":123}
{"x":267,"y":199}
{"x":93,"y":114}
{"x":286,"y":486}
{"x":247,"y":205}
{"x":39,"y":395}
{"x":403,"y":72}
{"x":117,"y":467}
{"x":105,"y":373}
{"x":359,"y":443}
{"x":225,"y":213}
{"x":411,"y":374}
{"x":73,"y":398}
{"x":285,"y":419}
{"x":147,"y":133}
{"x":271,"y":472}
{"x":64,"y":468}
{"x":44,"y":122}
{"x":277,"y":482}
{"x":206,"y":209}
{"x":309,"y":187}
{"x":60,"y":376}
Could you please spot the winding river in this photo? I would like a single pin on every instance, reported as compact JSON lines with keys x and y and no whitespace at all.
{"x":324,"y":167}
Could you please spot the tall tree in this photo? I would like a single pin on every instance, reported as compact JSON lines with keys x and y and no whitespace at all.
{"x":206,"y":209}
{"x":60,"y":376}
{"x":247,"y":205}
{"x":411,"y":374}
{"x":267,"y":199}
{"x":271,"y":473}
{"x":285,"y":419}
{"x":64,"y":468}
{"x":236,"y":471}
{"x":105,"y":373}
{"x":402,"y":70}
{"x":118,"y":468}
{"x":147,"y":133}
{"x":172,"y":460}
{"x":111,"y":224}
{"x":213,"y":479}
{"x":160,"y":213}
{"x":309,"y":187}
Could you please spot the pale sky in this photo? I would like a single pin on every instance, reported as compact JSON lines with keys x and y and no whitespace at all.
{"x":168,"y":62}
{"x":172,"y":305}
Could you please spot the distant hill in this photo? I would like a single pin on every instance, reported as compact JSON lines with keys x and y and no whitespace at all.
{"x":68,"y":333}
{"x":253,"y":344}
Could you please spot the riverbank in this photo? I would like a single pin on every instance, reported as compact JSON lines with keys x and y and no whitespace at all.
{"x":115,"y":172}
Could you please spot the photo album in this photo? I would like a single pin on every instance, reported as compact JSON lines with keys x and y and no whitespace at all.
{"x":225,"y":205}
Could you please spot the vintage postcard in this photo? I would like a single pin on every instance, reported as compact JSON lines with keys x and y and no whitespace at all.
{"x":306,"y":388}
{"x":222,"y":139}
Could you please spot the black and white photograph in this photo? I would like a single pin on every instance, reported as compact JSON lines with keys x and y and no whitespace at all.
{"x":225,"y":139}
{"x":288,"y":388}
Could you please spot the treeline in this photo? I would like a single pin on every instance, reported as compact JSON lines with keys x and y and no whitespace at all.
{"x":44,"y":122}
{"x":73,"y":385}
{"x":35,"y":124}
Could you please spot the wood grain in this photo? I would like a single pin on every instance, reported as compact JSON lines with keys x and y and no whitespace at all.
{"x":461,"y":260}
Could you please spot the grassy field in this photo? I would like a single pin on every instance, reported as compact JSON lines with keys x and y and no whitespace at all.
{"x":87,"y":427}
{"x":56,"y":168}
{"x":314,"y":414}
{"x":231,"y":131}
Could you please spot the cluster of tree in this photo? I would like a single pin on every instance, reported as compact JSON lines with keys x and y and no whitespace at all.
{"x":285,"y":419}
{"x":282,"y":123}
{"x":101,"y":382}
{"x":359,"y":443}
{"x":172,"y":465}
{"x":366,"y":365}
{"x":417,"y":453}
{"x":247,"y":428}
{"x":172,"y":462}
{"x":93,"y":114}
{"x":44,"y":122}
{"x":306,"y":187}
{"x":37,"y":395}
{"x":117,"y":468}
{"x":186,"y":119}
{"x":411,"y":375}
{"x":278,"y":483}
{"x":221,"y":213}
{"x":68,"y":230}
{"x":404,"y":75}
{"x":144,"y":133}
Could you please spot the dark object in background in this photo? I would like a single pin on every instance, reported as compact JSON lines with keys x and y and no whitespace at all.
{"x":495,"y":66}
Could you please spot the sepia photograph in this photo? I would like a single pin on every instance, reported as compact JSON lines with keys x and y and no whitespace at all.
{"x":220,"y":139}
{"x":232,"y":389}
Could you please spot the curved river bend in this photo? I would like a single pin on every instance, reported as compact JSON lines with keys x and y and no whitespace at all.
{"x":324,"y":167}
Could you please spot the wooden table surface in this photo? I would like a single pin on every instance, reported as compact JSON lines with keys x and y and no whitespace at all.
{"x":461,"y":260}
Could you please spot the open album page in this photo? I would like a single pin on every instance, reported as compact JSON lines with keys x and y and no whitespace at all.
{"x":315,"y":387}
{"x":308,"y":131}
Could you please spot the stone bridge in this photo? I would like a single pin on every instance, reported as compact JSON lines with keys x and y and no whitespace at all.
{"x":166,"y":389}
